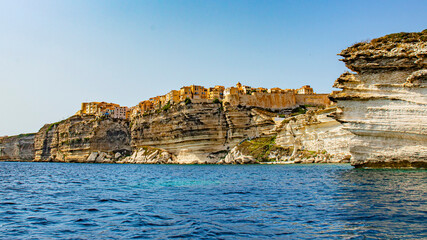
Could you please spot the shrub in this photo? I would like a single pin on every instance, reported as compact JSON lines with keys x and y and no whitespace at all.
{"x":299,"y":110}
{"x":167,"y":106}
{"x":216,"y":100}
{"x":187,"y":101}
{"x":53,"y":125}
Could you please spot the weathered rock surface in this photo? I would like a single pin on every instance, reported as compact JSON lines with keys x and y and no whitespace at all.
{"x":315,"y":132}
{"x":384,"y":104}
{"x":235,"y":156}
{"x":17,"y":148}
{"x":150,"y":155}
{"x":76,"y":138}
{"x":199,"y":132}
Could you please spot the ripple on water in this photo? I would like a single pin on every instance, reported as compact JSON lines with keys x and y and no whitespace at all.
{"x":105,"y":201}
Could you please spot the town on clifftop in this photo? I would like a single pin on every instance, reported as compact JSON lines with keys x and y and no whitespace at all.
{"x":272,"y":98}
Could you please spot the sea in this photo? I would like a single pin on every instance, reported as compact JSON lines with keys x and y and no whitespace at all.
{"x":125,"y":201}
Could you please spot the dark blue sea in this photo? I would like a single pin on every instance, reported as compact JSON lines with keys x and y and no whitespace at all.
{"x":107,"y":201}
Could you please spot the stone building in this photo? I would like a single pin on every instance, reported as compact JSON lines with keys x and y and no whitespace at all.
{"x":120,"y":112}
{"x":305,"y":90}
{"x":216,"y":92}
{"x":185,"y":92}
{"x":172,"y":96}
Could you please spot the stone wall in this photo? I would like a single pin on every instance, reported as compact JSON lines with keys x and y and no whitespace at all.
{"x":263,"y":100}
{"x":277,"y":101}
{"x":313,"y":99}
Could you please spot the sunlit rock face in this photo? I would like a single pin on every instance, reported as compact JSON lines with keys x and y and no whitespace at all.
{"x":384,"y":102}
{"x":199,"y":132}
{"x":316,"y":131}
{"x":17,"y":148}
{"x":75,"y":138}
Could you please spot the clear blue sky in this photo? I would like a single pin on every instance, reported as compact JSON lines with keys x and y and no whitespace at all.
{"x":56,"y":54}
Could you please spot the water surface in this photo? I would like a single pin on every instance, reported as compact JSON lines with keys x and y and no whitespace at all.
{"x":107,"y":201}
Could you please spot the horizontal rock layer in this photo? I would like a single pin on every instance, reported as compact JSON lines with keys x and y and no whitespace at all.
{"x":315,"y":131}
{"x":199,"y":132}
{"x":17,"y":148}
{"x":384,"y":104}
{"x":75,"y":138}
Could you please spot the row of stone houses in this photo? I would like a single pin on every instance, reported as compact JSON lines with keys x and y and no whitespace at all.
{"x":193,"y":92}
{"x":186,"y":92}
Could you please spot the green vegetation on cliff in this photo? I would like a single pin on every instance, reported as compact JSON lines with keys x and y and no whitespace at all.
{"x":260,"y":148}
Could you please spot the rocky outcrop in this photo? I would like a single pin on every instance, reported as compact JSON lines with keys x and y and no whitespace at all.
{"x":235,"y":156}
{"x":384,"y":103}
{"x":77,"y":137}
{"x":17,"y":148}
{"x":315,"y":135}
{"x":312,"y":137}
{"x":150,"y":155}
{"x":196,"y":133}
{"x":200,"y":132}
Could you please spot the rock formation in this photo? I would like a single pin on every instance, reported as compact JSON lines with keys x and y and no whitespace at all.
{"x":313,"y":137}
{"x":316,"y":132}
{"x":17,"y":148}
{"x":150,"y":155}
{"x":235,"y":156}
{"x":195,"y":133}
{"x":199,"y":132}
{"x":74,"y":139}
{"x":384,"y":103}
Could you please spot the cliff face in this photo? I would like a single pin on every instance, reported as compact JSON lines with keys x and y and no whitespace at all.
{"x":199,"y":132}
{"x":17,"y":148}
{"x":384,"y":104}
{"x":75,"y":138}
{"x":313,"y":137}
{"x":317,"y":132}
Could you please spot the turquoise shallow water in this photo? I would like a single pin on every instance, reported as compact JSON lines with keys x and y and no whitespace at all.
{"x":107,"y":201}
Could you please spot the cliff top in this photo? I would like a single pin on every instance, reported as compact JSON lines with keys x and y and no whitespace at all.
{"x":5,"y":138}
{"x":390,"y":45}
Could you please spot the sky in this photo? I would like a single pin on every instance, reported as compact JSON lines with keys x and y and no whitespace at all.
{"x":55,"y":54}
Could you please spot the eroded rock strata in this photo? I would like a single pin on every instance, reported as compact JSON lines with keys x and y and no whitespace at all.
{"x":313,"y":137}
{"x":199,"y":132}
{"x":76,"y":138}
{"x":384,"y":103}
{"x":17,"y":148}
{"x":196,"y":133}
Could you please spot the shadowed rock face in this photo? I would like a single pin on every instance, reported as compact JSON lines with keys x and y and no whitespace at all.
{"x":17,"y":148}
{"x":384,"y":104}
{"x":73,"y":139}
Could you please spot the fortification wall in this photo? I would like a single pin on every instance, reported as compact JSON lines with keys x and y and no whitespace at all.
{"x":277,"y":100}
{"x":263,"y":100}
{"x":313,"y":99}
